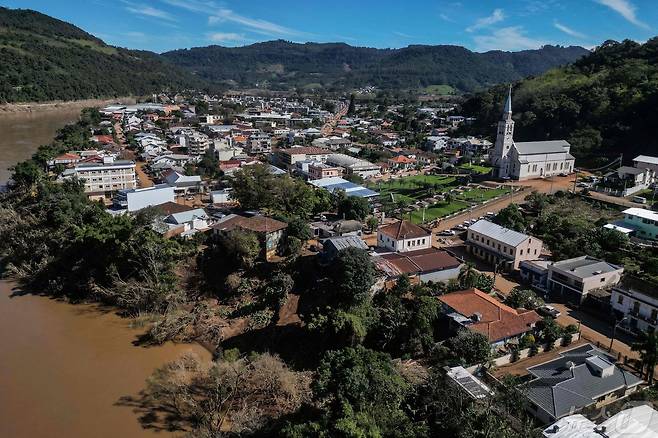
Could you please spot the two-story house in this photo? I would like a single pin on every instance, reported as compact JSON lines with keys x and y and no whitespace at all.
{"x":574,"y":279}
{"x":501,"y":246}
{"x":635,"y":302}
{"x":403,"y":236}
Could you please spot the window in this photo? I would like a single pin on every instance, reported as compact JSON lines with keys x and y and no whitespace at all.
{"x":535,"y":252}
{"x":620,"y":299}
{"x":602,"y":279}
{"x":521,"y":252}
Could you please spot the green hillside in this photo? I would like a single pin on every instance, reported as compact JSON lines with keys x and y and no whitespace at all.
{"x":43,"y":58}
{"x":282,"y":65}
{"x":604,"y":104}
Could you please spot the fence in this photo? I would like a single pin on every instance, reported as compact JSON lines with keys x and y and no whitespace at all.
{"x":522,"y":354}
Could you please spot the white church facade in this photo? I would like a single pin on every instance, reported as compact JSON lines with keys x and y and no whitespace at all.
{"x":530,"y":159}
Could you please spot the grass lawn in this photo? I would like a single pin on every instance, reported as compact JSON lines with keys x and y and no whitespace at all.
{"x":481,"y":195}
{"x":483,"y":170}
{"x":439,"y":89}
{"x":436,"y":211}
{"x":411,"y":187}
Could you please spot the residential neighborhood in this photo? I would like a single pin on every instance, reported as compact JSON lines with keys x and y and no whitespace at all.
{"x":461,"y":219}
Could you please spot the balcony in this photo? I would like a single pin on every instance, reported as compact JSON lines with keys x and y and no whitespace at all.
{"x":645,"y":318}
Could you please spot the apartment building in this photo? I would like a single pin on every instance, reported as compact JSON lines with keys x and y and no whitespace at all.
{"x":197,"y":143}
{"x":501,"y":246}
{"x":317,"y":170}
{"x":288,"y":157}
{"x":259,"y":143}
{"x":354,"y":166}
{"x":104,"y":179}
{"x":635,"y":303}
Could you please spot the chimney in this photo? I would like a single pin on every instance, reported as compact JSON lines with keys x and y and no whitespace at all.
{"x":477,"y":317}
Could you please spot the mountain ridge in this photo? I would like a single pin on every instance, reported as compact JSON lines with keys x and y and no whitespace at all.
{"x":48,"y":59}
{"x":283,"y":65}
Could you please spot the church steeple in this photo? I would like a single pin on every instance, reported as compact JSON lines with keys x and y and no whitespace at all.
{"x":500,"y":158}
{"x":507,"y":113}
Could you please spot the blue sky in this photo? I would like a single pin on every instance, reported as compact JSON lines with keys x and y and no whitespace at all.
{"x":480,"y":25}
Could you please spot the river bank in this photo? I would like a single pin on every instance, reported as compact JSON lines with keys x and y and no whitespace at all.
{"x":32,"y":107}
{"x":65,"y":369}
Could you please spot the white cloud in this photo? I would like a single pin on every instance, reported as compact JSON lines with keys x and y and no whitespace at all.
{"x":403,"y":35}
{"x":192,"y":5}
{"x":256,"y":25}
{"x":148,"y":11}
{"x":225,"y":37}
{"x":626,"y":9}
{"x":569,"y":31}
{"x":507,"y":38}
{"x":496,"y":16}
{"x":446,"y":17}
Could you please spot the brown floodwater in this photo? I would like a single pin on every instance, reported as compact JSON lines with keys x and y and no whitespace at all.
{"x":22,"y":133}
{"x":64,"y":367}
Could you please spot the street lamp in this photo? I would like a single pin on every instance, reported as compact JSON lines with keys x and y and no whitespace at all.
{"x":614,"y":330}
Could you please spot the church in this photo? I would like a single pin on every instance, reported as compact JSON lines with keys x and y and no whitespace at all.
{"x":528,"y":159}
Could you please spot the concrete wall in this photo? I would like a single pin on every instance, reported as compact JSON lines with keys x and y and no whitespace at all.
{"x":507,"y":359}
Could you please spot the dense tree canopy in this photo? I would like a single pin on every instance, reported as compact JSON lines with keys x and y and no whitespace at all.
{"x":602,"y":104}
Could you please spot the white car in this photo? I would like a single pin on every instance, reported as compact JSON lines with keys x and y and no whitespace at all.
{"x":446,"y":233}
{"x":549,"y":311}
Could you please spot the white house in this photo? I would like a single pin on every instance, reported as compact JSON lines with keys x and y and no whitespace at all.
{"x":635,"y":303}
{"x":403,"y":236}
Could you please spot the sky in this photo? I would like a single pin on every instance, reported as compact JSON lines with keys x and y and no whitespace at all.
{"x":480,"y":25}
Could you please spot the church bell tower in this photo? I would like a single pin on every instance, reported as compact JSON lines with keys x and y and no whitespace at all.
{"x":504,"y":141}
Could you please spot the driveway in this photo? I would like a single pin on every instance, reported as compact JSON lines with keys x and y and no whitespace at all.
{"x":596,"y":330}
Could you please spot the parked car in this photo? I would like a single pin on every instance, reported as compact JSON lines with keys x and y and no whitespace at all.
{"x":446,"y":233}
{"x":549,"y":311}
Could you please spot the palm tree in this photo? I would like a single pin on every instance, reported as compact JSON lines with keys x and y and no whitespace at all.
{"x":468,"y":276}
{"x":648,"y":348}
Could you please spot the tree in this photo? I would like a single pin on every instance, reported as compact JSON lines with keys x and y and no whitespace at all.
{"x":372,"y":223}
{"x":523,"y":298}
{"x":647,"y":346}
{"x":468,"y":276}
{"x":278,"y":288}
{"x":239,"y":248}
{"x":237,"y":395}
{"x":353,"y":275}
{"x":510,"y":217}
{"x":362,"y":393}
{"x":353,"y":207}
{"x":470,"y":347}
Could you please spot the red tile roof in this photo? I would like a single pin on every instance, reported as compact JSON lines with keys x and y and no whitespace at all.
{"x":172,"y":208}
{"x":404,"y":230}
{"x":401,"y":159}
{"x":497,"y":320}
{"x":257,"y":224}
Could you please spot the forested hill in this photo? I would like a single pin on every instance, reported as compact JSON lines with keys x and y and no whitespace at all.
{"x":43,"y":58}
{"x":604,"y":104}
{"x":282,"y":65}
